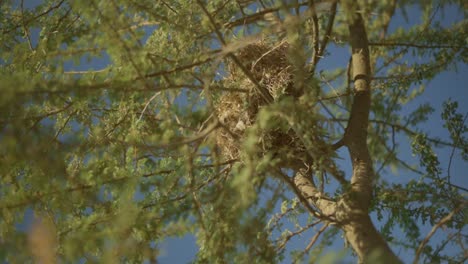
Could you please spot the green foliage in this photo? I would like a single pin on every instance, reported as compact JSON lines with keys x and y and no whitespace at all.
{"x":455,"y":124}
{"x":109,"y":119}
{"x":428,"y":159}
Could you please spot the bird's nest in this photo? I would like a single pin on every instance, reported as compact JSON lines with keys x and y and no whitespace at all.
{"x":237,"y":111}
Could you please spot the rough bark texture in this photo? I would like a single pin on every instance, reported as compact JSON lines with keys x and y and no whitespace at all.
{"x":351,"y":212}
{"x":366,"y":240}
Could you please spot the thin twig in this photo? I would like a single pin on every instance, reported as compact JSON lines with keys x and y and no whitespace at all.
{"x":389,"y":154}
{"x":399,"y":127}
{"x":37,"y":197}
{"x":147,"y":103}
{"x":403,"y":51}
{"x":442,"y":222}
{"x":293,"y":234}
{"x":315,"y":36}
{"x":26,"y":30}
{"x":259,"y":15}
{"x":323,"y":45}
{"x":316,"y":236}
{"x":262,"y":90}
{"x":35,"y":17}
{"x":413,"y":45}
{"x":455,"y":143}
{"x":338,"y":96}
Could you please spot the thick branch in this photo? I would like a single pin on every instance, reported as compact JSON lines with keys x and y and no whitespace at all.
{"x":356,"y":133}
{"x":352,"y":209}
{"x":301,"y":194}
{"x":366,"y":241}
{"x":313,"y":195}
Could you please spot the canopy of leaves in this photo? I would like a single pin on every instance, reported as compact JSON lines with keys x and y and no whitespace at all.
{"x":109,"y":119}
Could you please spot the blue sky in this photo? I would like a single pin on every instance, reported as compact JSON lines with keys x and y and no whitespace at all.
{"x":446,"y":85}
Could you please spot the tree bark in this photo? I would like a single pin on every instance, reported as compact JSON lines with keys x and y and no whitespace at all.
{"x":367,"y":242}
{"x":352,"y":210}
{"x":351,"y":218}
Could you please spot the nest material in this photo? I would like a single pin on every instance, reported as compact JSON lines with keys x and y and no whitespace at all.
{"x":269,"y":65}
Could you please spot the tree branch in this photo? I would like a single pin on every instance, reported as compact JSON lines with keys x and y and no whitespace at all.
{"x":257,"y":16}
{"x":356,"y":132}
{"x":414,"y":45}
{"x":262,"y":90}
{"x":298,"y":232}
{"x":303,"y":194}
{"x":25,"y":24}
{"x":315,"y":38}
{"x":325,"y":204}
{"x":434,"y":229}
{"x":323,"y":45}
{"x":316,"y":236}
{"x":352,"y":209}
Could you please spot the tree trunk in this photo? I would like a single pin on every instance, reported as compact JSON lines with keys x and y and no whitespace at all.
{"x":353,"y":208}
{"x":350,"y":216}
{"x":351,"y":212}
{"x":367,"y":242}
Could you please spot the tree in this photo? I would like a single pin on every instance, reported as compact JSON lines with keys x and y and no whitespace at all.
{"x":227,"y":119}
